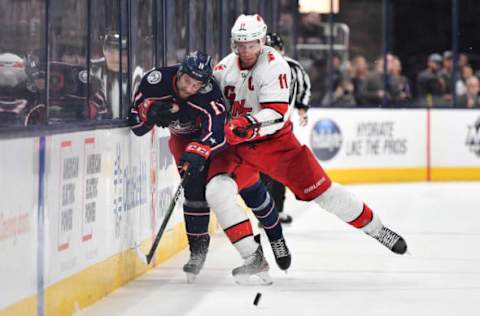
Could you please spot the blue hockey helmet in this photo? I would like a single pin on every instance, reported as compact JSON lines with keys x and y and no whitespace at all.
{"x":198,"y":65}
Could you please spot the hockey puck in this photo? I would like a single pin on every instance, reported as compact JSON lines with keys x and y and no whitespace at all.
{"x":257,"y":298}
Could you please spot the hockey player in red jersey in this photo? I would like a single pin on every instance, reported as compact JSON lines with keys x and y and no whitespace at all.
{"x":187,"y":100}
{"x":255,"y":80}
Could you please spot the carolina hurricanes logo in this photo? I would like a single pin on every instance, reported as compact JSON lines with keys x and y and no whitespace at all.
{"x":239,"y":107}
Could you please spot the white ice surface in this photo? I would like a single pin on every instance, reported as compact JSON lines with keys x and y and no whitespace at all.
{"x":335,"y":269}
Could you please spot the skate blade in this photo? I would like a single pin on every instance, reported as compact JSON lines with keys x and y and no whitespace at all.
{"x":261,"y":278}
{"x":191,"y":277}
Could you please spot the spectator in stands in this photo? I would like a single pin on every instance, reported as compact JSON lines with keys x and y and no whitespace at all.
{"x":68,"y":90}
{"x":107,"y":69}
{"x":17,"y":101}
{"x":374,"y":93}
{"x":431,"y":85}
{"x":317,"y":73}
{"x":343,"y":94}
{"x":446,"y":73}
{"x":399,"y":86}
{"x":334,"y":80}
{"x":337,"y":74}
{"x":72,"y":55}
{"x":466,"y":72}
{"x":360,"y":71}
{"x":471,"y":98}
{"x":463,"y":60}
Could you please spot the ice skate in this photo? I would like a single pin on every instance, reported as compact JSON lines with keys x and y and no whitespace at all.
{"x":281,"y":253}
{"x":193,"y":267}
{"x":254,"y":270}
{"x":198,"y":255}
{"x":391,"y":240}
{"x":283,"y":258}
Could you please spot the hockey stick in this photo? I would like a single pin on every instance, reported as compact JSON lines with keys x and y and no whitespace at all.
{"x":242,"y":131}
{"x":146,"y":259}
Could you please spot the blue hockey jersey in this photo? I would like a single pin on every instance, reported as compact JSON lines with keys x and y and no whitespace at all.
{"x":201,"y":117}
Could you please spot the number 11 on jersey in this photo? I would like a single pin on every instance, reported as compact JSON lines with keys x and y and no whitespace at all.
{"x":283,"y":81}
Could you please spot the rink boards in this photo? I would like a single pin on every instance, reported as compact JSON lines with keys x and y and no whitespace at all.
{"x":390,"y":145}
{"x":72,"y":207}
{"x":74,"y":204}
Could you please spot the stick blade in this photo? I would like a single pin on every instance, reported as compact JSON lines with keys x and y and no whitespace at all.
{"x":141,"y":255}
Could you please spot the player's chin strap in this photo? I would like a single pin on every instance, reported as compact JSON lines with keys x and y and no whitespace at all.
{"x":242,"y":131}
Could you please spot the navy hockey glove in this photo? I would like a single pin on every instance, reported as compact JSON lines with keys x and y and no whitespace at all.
{"x":162,"y":113}
{"x":142,"y":110}
{"x":195,"y":157}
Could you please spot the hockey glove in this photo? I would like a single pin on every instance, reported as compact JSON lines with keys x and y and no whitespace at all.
{"x":241,"y":129}
{"x":194,"y":157}
{"x":152,"y":112}
{"x":162,"y":113}
{"x":143,"y":109}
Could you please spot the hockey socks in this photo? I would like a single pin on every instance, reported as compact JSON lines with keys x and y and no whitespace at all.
{"x":349,"y":208}
{"x":258,"y":199}
{"x":197,"y":216}
{"x":241,"y":236}
{"x":363,"y":219}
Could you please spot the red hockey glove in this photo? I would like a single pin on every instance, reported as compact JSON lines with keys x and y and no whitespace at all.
{"x":241,"y":129}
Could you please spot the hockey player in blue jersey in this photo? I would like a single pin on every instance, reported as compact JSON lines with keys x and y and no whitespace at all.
{"x":186,"y":99}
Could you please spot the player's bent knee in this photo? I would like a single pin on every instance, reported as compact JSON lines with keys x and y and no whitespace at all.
{"x":221,"y":190}
{"x":221,"y":195}
{"x":341,"y":202}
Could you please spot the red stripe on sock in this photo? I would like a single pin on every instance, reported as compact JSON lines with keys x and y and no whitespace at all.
{"x":364,"y":218}
{"x":239,"y":231}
